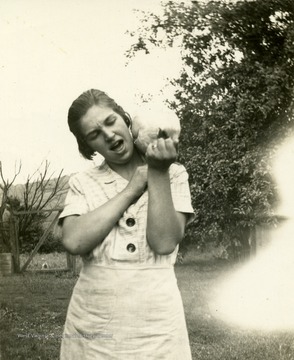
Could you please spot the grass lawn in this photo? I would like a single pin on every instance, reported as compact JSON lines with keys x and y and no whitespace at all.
{"x":33,"y":309}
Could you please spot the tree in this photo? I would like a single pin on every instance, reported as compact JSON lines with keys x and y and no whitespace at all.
{"x":43,"y":193}
{"x":40,"y":192}
{"x":235,"y":100}
{"x":5,"y":186}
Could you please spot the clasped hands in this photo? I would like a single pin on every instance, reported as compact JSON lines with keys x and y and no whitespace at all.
{"x":161,"y":153}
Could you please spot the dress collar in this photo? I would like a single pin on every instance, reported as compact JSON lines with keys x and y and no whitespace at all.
{"x":110,"y":175}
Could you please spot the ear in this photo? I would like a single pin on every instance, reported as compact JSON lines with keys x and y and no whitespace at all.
{"x":128,"y":120}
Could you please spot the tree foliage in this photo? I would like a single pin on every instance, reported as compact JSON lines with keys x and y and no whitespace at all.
{"x":235,"y":100}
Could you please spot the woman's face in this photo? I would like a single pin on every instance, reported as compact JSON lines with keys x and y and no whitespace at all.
{"x":106,"y":132}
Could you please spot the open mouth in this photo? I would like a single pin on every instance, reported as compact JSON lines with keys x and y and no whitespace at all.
{"x":117,"y":145}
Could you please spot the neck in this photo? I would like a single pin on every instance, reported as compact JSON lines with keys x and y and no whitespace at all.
{"x":127,"y":170}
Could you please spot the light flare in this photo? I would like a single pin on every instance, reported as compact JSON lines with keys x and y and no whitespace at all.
{"x":260,"y":294}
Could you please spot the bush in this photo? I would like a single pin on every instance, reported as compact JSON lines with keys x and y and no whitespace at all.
{"x":51,"y":244}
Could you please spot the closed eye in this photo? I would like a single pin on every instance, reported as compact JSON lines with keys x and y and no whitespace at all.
{"x":110,"y":120}
{"x":93,"y":135}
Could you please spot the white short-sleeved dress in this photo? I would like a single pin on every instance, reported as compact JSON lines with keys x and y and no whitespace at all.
{"x":126,"y":304}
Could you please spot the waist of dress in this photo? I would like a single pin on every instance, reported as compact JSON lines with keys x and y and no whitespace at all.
{"x":93,"y":275}
{"x":126,"y":266}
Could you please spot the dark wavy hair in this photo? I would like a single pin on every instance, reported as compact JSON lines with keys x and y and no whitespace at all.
{"x":79,"y":108}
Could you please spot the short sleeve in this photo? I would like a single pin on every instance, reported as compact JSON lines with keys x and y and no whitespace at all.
{"x":180,"y":191}
{"x":75,"y":201}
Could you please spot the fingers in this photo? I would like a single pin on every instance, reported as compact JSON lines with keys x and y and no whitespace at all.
{"x":141,"y":172}
{"x":165,"y":147}
{"x":138,"y":181}
{"x":161,"y":153}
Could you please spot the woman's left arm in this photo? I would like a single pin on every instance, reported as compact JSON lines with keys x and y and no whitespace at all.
{"x":165,"y":226}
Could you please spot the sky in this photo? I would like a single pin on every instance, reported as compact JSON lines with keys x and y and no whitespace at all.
{"x":52,"y":51}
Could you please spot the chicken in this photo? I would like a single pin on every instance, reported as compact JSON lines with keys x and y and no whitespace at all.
{"x":153,"y":121}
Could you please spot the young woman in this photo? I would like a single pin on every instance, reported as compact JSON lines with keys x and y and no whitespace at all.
{"x":125,"y":218}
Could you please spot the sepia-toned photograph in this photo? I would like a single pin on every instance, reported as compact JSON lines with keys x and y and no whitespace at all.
{"x":146,"y":180}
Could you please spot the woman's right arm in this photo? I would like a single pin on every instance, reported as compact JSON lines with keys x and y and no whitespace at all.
{"x":81,"y":234}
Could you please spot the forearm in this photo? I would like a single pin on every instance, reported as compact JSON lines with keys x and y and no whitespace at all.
{"x":164,"y":226}
{"x":82,"y":234}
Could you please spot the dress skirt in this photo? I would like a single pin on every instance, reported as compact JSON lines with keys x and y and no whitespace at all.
{"x":126,"y":313}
